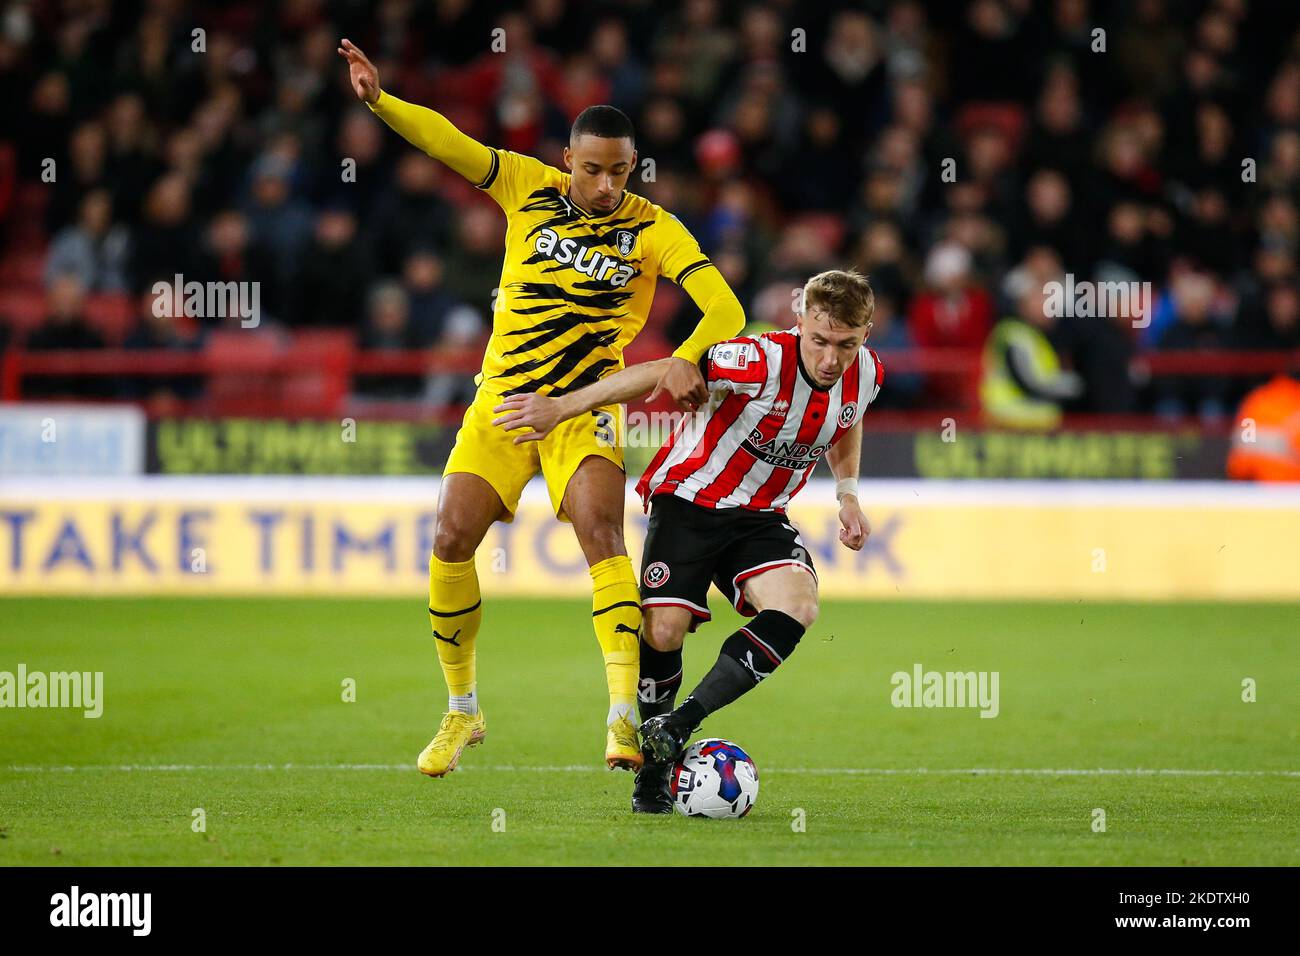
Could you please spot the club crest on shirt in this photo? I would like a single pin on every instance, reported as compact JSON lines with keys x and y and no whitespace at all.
{"x":624,"y":240}
{"x":847,"y":414}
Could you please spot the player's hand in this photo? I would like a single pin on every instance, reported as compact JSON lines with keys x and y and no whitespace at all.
{"x":534,"y":411}
{"x":684,"y":383}
{"x":365,"y":78}
{"x":854,"y":527}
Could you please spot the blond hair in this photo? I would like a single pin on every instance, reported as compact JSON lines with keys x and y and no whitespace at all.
{"x":844,"y":295}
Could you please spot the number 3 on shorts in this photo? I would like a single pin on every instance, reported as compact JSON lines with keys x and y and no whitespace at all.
{"x":604,"y":428}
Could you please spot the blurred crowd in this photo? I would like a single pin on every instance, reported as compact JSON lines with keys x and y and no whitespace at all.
{"x":961,"y":154}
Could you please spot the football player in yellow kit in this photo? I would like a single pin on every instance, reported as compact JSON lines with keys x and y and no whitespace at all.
{"x":582,"y":257}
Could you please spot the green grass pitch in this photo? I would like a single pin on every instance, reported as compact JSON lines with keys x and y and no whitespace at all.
{"x":240,"y":703}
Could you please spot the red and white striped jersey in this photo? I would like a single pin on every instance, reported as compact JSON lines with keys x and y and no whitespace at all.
{"x":764,"y":428}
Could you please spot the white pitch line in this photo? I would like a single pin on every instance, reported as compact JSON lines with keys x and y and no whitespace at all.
{"x":588,"y":768}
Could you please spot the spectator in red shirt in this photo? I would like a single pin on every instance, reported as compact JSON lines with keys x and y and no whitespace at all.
{"x":953,"y":311}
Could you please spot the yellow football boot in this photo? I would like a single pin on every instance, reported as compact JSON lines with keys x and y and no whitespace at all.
{"x":456,"y":732}
{"x":622,"y":749}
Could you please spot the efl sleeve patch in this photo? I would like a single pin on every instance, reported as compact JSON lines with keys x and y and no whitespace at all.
{"x":738,"y":365}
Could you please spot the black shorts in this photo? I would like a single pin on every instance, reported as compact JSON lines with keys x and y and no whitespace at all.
{"x":687,"y":546}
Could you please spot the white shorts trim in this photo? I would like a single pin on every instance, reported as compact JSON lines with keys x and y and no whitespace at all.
{"x":680,"y":602}
{"x":765,"y":566}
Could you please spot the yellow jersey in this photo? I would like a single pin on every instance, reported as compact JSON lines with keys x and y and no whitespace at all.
{"x":575,"y":287}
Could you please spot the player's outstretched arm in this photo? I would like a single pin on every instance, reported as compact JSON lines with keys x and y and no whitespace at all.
{"x":423,"y":128}
{"x":542,"y":413}
{"x":722,"y":314}
{"x":845,"y":457}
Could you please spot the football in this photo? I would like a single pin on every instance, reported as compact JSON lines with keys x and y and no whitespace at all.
{"x":714,"y":778}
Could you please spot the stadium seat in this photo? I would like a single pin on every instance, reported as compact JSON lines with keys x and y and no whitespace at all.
{"x":112,"y":314}
{"x":22,"y":269}
{"x":243,"y":371}
{"x":319,"y":369}
{"x":23,"y":308}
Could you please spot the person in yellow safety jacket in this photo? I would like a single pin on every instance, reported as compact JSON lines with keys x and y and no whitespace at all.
{"x":1266,"y":443}
{"x":1023,"y":384}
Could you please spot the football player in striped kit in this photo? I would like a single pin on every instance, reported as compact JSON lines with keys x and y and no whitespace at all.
{"x":717,"y":493}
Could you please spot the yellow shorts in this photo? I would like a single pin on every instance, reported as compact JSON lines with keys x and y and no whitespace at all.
{"x":489,"y":451}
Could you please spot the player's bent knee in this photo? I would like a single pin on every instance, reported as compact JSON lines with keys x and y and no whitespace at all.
{"x":665,"y":632}
{"x":804,"y":611}
{"x":453,"y":542}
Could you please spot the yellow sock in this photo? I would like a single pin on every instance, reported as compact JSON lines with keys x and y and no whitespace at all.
{"x":616,"y":617}
{"x":455,"y":611}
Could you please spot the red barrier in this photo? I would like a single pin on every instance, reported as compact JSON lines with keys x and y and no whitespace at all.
{"x":314,"y":375}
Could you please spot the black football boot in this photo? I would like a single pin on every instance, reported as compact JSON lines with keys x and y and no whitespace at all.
{"x":664,"y":738}
{"x":652,"y":791}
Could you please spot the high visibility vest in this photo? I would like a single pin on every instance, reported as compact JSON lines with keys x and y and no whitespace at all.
{"x":1003,"y":400}
{"x":1266,"y":441}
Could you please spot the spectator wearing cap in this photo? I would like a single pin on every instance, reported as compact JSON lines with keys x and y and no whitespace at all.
{"x":954,"y":311}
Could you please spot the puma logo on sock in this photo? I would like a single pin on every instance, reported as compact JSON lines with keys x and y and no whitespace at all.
{"x":449,"y":640}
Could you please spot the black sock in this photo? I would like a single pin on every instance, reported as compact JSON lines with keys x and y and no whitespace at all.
{"x":747,"y":656}
{"x":661,"y":676}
